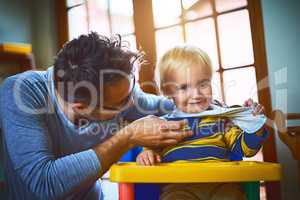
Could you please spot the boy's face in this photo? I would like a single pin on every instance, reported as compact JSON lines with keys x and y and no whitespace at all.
{"x":190,"y":88}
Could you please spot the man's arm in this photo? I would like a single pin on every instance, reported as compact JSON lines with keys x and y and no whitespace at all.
{"x":31,"y":153}
{"x":150,"y":131}
{"x":29,"y":148}
{"x":148,"y":104}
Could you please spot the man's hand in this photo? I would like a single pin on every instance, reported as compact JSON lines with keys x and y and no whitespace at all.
{"x":154,"y":132}
{"x":148,"y":157}
{"x":257,"y":108}
{"x":149,"y":131}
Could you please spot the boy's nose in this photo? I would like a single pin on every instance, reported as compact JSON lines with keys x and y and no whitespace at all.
{"x":196,"y":92}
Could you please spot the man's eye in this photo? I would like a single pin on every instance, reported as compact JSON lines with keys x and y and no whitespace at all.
{"x":183,"y":87}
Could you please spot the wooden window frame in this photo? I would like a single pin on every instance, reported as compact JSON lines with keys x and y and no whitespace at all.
{"x":264,"y":95}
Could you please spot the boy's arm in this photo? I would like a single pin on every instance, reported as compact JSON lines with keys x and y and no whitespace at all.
{"x":243,"y":143}
{"x":247,"y":144}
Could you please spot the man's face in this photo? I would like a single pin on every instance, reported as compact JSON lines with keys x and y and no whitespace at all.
{"x":116,"y":97}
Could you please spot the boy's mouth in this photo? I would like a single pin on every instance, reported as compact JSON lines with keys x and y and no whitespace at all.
{"x":197,"y":102}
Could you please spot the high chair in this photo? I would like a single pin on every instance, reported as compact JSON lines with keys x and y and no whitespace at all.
{"x":129,"y":176}
{"x":142,"y":182}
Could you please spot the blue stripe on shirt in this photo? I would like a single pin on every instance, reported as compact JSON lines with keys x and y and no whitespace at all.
{"x":254,"y":141}
{"x":199,"y":152}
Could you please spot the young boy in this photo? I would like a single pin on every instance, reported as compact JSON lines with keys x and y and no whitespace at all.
{"x":185,"y":77}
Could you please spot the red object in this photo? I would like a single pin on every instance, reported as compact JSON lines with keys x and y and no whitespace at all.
{"x":126,"y":191}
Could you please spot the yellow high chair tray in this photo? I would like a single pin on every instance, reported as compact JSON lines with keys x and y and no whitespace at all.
{"x":200,"y":172}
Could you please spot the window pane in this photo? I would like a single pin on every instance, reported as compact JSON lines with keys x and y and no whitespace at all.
{"x":197,"y":8}
{"x":130,"y":41}
{"x":77,"y":18}
{"x":122,"y":16}
{"x":235,"y":39}
{"x":225,"y":5}
{"x":166,"y":12}
{"x":71,"y":3}
{"x":98,"y":18}
{"x":202,"y":34}
{"x":216,"y":87}
{"x":240,"y":85}
{"x":167,"y":38}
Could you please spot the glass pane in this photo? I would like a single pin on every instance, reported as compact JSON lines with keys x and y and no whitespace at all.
{"x":216,"y":87}
{"x":121,"y":16}
{"x":71,"y":3}
{"x":225,"y":5}
{"x":235,"y":39}
{"x":77,"y":18}
{"x":166,"y":12}
{"x":240,"y":85}
{"x":98,"y":18}
{"x":202,"y":34}
{"x":167,"y":38}
{"x":130,"y":41}
{"x":197,"y":8}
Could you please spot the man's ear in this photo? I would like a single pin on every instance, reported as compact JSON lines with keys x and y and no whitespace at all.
{"x":79,"y":108}
{"x":166,"y":92}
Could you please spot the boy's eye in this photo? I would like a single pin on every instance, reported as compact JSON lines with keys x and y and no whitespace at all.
{"x":204,"y":84}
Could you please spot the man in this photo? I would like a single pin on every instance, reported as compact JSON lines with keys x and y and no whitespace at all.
{"x":61,"y":127}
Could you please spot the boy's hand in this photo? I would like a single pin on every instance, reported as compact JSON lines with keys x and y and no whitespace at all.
{"x":228,"y":124}
{"x":148,"y":157}
{"x":257,"y":108}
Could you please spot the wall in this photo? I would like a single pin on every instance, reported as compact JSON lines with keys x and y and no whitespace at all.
{"x":282,"y":35}
{"x":44,"y":37}
{"x":15,"y":21}
{"x":30,"y":21}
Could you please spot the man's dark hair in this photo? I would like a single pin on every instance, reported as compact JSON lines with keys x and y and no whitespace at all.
{"x":83,"y":58}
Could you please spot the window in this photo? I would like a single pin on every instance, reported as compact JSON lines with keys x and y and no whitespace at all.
{"x":217,"y":27}
{"x":107,"y":17}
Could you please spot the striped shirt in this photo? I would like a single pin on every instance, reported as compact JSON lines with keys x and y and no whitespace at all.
{"x":212,"y":141}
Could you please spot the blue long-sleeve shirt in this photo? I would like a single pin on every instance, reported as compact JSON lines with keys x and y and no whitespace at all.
{"x":45,"y":155}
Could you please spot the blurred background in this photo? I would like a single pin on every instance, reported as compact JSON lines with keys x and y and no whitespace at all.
{"x":253,"y":44}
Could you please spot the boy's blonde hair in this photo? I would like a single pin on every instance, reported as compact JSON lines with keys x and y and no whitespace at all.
{"x":180,"y":57}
